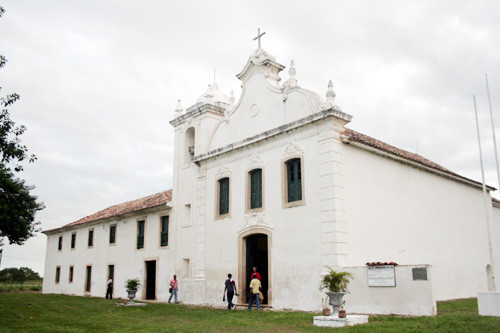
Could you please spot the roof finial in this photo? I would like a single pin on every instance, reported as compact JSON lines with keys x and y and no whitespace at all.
{"x":179,"y":108}
{"x":292,"y":81}
{"x":330,"y":99}
{"x":330,"y":94}
{"x":258,"y":36}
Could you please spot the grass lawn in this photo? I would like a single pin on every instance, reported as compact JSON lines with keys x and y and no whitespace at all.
{"x":21,"y":312}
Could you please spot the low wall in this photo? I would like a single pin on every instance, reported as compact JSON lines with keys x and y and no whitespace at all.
{"x":488,"y":303}
{"x":412,"y":294}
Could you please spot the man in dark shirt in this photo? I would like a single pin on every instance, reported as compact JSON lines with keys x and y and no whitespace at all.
{"x":230,"y":287}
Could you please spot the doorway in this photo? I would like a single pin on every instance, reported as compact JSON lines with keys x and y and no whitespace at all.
{"x":257,"y":256}
{"x":151,"y":279}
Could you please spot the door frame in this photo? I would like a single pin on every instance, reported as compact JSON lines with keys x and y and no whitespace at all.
{"x":145,"y":279}
{"x":242,"y":261}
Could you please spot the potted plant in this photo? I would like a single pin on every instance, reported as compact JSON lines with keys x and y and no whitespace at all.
{"x":132,"y":285}
{"x":326,"y":309}
{"x":342,"y":313}
{"x":336,"y":285}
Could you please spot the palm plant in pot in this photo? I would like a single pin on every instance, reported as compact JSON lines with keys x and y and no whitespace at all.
{"x":336,"y":285}
{"x":132,"y":285}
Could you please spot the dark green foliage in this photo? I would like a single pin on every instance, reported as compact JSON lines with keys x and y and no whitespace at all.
{"x":335,"y":281}
{"x":18,"y":275}
{"x":132,"y":284}
{"x":17,"y":206}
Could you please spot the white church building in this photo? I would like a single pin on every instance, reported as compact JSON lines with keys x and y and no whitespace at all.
{"x":276,"y":180}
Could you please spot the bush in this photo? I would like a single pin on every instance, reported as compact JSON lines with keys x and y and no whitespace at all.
{"x":132,"y":284}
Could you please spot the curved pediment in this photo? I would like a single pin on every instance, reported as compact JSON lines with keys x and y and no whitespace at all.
{"x":264,"y":103}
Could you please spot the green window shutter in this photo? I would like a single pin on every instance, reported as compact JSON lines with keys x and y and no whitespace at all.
{"x":59,"y":244}
{"x":73,"y":240}
{"x":140,"y":234}
{"x":112,"y":233}
{"x":294,"y":180}
{"x":256,"y":188}
{"x":91,"y":238}
{"x":223,"y":196}
{"x":164,"y":231}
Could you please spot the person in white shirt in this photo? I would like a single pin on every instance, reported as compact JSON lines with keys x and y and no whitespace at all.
{"x":109,"y":291}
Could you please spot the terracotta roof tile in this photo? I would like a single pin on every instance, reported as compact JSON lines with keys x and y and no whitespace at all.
{"x":150,"y":201}
{"x":351,"y":135}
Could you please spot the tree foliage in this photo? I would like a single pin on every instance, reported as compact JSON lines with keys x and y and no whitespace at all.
{"x":18,"y":275}
{"x":17,"y":206}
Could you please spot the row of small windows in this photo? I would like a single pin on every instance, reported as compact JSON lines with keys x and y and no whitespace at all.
{"x":293,"y":188}
{"x":88,"y":275}
{"x":164,"y":223}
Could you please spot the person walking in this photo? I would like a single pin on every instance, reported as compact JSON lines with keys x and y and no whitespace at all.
{"x":174,"y":287}
{"x":109,"y":289}
{"x":253,"y":297}
{"x":230,"y":288}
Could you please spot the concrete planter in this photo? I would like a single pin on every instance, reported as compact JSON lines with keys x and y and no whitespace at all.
{"x":131,"y":296}
{"x":335,"y":301}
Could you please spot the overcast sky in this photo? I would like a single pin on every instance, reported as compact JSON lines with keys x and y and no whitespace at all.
{"x":99,"y":81}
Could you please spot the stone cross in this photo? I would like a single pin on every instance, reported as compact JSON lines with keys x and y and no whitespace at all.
{"x":259,"y":35}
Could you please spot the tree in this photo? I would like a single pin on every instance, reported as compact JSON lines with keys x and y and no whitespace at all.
{"x":18,"y":275}
{"x":17,"y":206}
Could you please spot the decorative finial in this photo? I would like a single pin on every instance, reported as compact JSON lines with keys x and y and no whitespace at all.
{"x":330,"y":94}
{"x":258,"y":36}
{"x":231,"y":98}
{"x":292,"y":81}
{"x":179,"y":108}
{"x":330,"y":99}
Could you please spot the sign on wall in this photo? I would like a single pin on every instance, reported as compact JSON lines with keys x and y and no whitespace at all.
{"x":381,"y":276}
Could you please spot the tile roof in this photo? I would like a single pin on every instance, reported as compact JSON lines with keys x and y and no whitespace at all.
{"x":151,"y":201}
{"x":352,"y":136}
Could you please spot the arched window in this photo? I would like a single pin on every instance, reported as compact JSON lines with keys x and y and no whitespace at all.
{"x":189,"y":145}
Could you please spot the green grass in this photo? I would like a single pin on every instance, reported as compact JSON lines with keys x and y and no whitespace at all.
{"x":35,"y":312}
{"x":17,"y":286}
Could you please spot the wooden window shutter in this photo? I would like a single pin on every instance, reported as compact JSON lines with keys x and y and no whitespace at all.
{"x":223,"y":196}
{"x":294,"y":180}
{"x":256,"y":188}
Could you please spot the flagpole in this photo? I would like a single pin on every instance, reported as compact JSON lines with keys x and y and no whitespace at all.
{"x":485,"y":197}
{"x":493,"y":129}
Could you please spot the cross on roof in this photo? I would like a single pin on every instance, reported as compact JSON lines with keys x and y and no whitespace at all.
{"x":259,"y":35}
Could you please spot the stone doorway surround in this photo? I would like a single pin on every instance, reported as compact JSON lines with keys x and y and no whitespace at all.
{"x":242,"y":278}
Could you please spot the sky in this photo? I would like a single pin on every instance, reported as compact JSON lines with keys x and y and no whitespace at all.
{"x":99,"y":82}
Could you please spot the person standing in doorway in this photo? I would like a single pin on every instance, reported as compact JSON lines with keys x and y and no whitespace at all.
{"x":109,"y":289}
{"x":174,"y":286}
{"x":255,"y":274}
{"x":253,"y":296}
{"x":230,"y":287}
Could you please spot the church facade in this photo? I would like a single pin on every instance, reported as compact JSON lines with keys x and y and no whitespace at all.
{"x":277,"y":181}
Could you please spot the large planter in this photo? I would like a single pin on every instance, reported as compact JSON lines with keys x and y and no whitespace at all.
{"x":335,"y":301}
{"x":131,"y":295}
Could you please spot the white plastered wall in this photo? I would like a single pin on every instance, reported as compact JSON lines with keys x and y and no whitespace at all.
{"x":399,"y":213}
{"x":128,"y":261}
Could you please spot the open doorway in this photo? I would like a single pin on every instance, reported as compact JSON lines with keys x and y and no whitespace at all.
{"x":150,"y":279}
{"x":257,"y":256}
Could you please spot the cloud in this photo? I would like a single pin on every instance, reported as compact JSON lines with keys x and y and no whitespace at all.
{"x":99,"y":81}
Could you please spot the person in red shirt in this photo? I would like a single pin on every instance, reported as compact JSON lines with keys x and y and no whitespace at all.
{"x":256,"y":274}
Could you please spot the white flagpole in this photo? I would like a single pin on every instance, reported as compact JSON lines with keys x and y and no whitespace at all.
{"x":487,"y":203}
{"x":493,"y":129}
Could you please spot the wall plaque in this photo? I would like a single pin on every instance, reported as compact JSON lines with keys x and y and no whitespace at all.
{"x":419,"y":273}
{"x":381,"y":276}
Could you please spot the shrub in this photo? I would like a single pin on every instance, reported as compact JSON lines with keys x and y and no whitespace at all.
{"x":132,"y":284}
{"x":335,"y":281}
